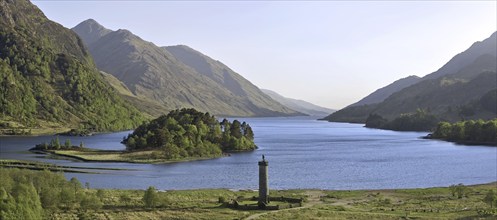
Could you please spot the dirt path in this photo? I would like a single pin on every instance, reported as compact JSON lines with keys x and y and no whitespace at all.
{"x":314,"y":198}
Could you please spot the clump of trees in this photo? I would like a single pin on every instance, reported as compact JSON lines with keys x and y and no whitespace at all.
{"x":420,"y":120}
{"x":478,"y":132}
{"x":190,"y":133}
{"x":459,"y":190}
{"x":56,"y":145}
{"x":26,"y":194}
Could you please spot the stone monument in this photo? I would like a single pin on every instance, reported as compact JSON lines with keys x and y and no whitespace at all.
{"x":263,"y":183}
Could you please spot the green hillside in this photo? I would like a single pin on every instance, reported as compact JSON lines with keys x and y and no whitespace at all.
{"x":150,"y":108}
{"x":48,"y":79}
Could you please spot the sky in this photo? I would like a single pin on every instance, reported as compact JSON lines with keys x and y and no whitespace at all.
{"x":330,"y":53}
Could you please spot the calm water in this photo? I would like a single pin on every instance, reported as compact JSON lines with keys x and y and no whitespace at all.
{"x":302,"y":153}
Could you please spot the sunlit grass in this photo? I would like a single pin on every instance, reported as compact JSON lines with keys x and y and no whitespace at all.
{"x":431,"y":203}
{"x":145,"y":156}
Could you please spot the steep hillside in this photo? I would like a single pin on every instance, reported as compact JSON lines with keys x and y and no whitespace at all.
{"x":299,"y":105}
{"x":467,"y":57}
{"x":383,"y":93}
{"x":48,"y":79}
{"x":176,"y":77}
{"x":461,"y":93}
{"x":150,"y":108}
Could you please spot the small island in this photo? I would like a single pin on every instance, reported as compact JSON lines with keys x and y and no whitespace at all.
{"x":181,"y":135}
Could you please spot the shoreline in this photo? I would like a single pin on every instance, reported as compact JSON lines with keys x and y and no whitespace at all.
{"x":449,"y":202}
{"x":40,"y":166}
{"x":464,"y":143}
{"x":116,"y":156}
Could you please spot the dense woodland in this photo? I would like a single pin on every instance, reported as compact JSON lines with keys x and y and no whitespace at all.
{"x":189,"y":133}
{"x":26,"y":194}
{"x":46,"y":75}
{"x":477,"y":132}
{"x":421,"y":120}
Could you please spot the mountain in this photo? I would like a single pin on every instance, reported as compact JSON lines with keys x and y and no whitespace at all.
{"x":90,"y":31}
{"x":49,"y":80}
{"x":467,"y":57}
{"x":383,"y":93}
{"x":462,"y":89}
{"x":299,"y":105}
{"x":176,"y":76}
{"x":149,"y":108}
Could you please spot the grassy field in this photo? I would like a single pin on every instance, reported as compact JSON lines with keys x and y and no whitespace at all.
{"x":32,"y":165}
{"x":431,"y":203}
{"x":45,"y":128}
{"x":146,"y":156}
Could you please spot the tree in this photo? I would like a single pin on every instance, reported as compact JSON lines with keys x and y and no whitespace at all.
{"x":66,"y":197}
{"x":67,"y":144}
{"x":249,"y":134}
{"x":236,"y":129}
{"x":490,"y":198}
{"x":76,"y":185}
{"x":56,"y":143}
{"x":460,"y":190}
{"x":443,"y":130}
{"x":91,"y":202}
{"x":27,"y":202}
{"x":49,"y":198}
{"x":131,"y":143}
{"x":150,"y":197}
{"x":457,"y":131}
{"x":375,"y":121}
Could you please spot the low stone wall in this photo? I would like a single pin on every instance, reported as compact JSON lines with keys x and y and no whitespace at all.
{"x":290,"y":203}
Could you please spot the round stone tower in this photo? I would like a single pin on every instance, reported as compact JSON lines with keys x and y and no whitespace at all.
{"x":263,"y":183}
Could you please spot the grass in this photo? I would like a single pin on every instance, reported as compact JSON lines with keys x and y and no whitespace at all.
{"x":431,"y":203}
{"x":45,"y":128}
{"x":31,"y":165}
{"x":145,"y":156}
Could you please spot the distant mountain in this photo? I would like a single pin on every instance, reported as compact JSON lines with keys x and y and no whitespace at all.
{"x":461,"y":89}
{"x":49,"y":80}
{"x":299,"y":105}
{"x":90,"y":31}
{"x":381,"y":94}
{"x":467,"y":57}
{"x":175,"y":77}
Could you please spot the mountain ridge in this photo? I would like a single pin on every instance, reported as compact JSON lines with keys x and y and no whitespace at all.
{"x":444,"y":94}
{"x":299,"y":105}
{"x":382,"y":93}
{"x":171,"y":76}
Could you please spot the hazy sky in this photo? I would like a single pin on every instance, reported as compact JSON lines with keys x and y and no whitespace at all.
{"x":331,"y":53}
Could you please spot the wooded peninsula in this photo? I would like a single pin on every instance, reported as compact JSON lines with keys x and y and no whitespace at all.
{"x":181,"y":135}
